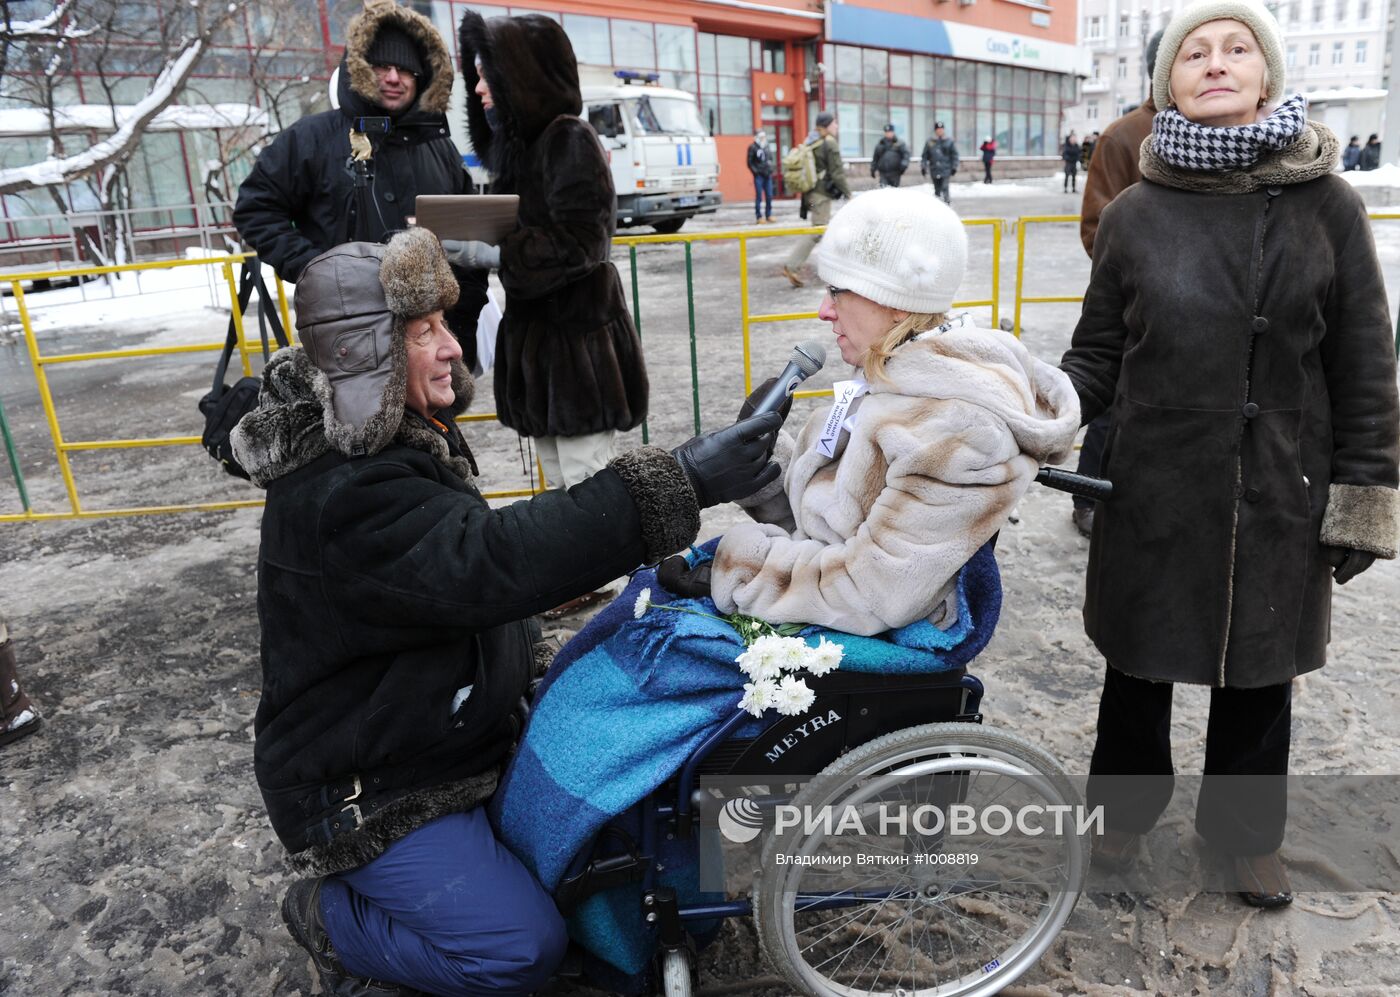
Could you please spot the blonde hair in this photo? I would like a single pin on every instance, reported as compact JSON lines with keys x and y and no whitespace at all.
{"x":900,"y":333}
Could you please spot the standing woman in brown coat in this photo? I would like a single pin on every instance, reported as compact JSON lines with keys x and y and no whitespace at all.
{"x":1236,"y":324}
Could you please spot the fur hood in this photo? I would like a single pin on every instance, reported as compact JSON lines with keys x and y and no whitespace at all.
{"x":435,"y":91}
{"x":924,"y":471}
{"x":533,"y":74}
{"x":1314,"y":155}
{"x":344,"y":388}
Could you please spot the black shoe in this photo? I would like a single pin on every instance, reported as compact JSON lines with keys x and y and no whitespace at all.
{"x":1263,"y":880}
{"x":301,"y":910}
{"x":1083,"y":519}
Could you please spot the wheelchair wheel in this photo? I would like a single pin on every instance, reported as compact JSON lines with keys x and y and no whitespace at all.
{"x":926,"y":919}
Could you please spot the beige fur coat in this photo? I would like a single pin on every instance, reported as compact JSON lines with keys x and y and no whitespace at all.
{"x":929,"y":469}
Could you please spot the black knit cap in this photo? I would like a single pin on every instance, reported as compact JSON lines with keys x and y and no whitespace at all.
{"x":393,"y":47}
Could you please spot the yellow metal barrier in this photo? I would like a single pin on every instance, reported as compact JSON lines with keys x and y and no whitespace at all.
{"x":1023,"y":298}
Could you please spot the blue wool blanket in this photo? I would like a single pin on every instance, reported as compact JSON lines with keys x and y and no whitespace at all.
{"x":629,"y":700}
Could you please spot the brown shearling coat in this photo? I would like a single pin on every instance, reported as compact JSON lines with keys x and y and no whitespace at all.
{"x":568,"y":357}
{"x":1114,"y":167}
{"x":1237,"y":325}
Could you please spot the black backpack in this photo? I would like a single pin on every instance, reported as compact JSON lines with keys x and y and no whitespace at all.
{"x":224,"y":405}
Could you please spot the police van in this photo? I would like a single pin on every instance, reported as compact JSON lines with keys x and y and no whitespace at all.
{"x":664,"y":162}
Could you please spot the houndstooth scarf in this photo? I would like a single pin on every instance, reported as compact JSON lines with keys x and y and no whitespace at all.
{"x":1184,"y":143}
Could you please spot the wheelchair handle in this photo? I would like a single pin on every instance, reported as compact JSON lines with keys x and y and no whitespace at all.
{"x":1076,"y":484}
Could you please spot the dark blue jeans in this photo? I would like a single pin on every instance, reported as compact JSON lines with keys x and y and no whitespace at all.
{"x":763,"y":196}
{"x":448,"y":910}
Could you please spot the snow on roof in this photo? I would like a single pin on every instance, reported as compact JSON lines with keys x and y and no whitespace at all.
{"x":176,"y":117}
{"x":1344,"y":93}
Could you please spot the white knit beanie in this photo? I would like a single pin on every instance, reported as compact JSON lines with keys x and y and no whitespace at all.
{"x":898,"y":246}
{"x":1248,"y":12}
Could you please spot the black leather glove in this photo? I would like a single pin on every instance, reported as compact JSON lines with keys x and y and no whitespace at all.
{"x":677,"y":576}
{"x":732,"y":462}
{"x":1348,"y":562}
{"x":750,"y":402}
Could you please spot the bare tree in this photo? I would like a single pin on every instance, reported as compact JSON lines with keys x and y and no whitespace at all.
{"x":121,"y":39}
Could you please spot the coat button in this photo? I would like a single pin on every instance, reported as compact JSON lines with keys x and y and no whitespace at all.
{"x":1251,"y":495}
{"x":1274,"y":191}
{"x":1250,"y":410}
{"x":344,"y":351}
{"x":388,"y":195}
{"x":1259,"y":324}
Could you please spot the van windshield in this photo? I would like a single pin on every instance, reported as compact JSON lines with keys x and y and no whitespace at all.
{"x":666,"y":116}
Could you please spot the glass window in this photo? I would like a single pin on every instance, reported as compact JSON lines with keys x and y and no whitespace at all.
{"x":964,"y":132}
{"x":707,"y":52}
{"x":1035,"y":138}
{"x":1363,"y":10}
{"x":847,"y":61}
{"x":774,"y":57}
{"x":923,"y":74}
{"x":589,"y":36}
{"x":1341,"y":11}
{"x":847,"y":91}
{"x":1020,"y":83}
{"x":874,"y":117}
{"x":709,"y":111}
{"x":875,"y":66}
{"x":848,"y":115}
{"x":736,"y":115}
{"x":1361,"y":51}
{"x":732,"y":55}
{"x":679,"y":80}
{"x":675,"y":46}
{"x":658,"y":115}
{"x":1003,"y":84}
{"x":633,"y":46}
{"x":1292,"y":56}
{"x":947,"y":79}
{"x":1337,"y":54}
{"x":1018,"y":134}
{"x":985,"y":74}
{"x":1315,"y":54}
{"x":984,"y":125}
{"x":1003,"y":132}
{"x":901,"y":71}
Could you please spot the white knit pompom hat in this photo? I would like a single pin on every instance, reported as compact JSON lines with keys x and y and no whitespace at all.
{"x":1248,"y":12}
{"x":899,"y":247}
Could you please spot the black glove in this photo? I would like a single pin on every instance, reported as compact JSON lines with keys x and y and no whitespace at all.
{"x":733,"y":462}
{"x":676,"y":576}
{"x":756,"y":396}
{"x":1348,"y":562}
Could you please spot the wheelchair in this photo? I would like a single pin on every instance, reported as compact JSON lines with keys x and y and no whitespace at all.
{"x":924,"y":918}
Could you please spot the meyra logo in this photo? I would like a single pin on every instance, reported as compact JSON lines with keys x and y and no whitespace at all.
{"x":799,"y":734}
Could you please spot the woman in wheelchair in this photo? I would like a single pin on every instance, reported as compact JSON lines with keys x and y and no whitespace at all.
{"x":922,"y":455}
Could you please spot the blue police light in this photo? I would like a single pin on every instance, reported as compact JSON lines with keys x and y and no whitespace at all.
{"x":631,"y":75}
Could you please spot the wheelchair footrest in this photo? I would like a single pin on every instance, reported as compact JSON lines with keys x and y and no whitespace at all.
{"x":600,"y":874}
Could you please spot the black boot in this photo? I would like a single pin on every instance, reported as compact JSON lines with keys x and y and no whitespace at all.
{"x":301,"y":910}
{"x":18,"y":716}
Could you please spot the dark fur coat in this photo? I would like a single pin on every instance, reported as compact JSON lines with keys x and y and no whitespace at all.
{"x":568,"y":358}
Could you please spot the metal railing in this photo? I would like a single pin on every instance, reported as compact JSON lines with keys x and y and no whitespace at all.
{"x":1022,"y":225}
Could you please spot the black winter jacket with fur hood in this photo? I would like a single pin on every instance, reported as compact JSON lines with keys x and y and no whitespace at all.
{"x":568,"y":358}
{"x":299,"y":200}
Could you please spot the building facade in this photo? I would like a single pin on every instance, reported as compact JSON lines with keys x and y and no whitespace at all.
{"x":1007,"y":69}
{"x":1335,"y":51}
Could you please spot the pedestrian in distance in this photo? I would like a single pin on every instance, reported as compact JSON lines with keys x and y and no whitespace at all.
{"x":890,"y":158}
{"x":989,"y":153}
{"x":1113,"y":170}
{"x":1242,"y":489}
{"x":19,"y":717}
{"x":1086,"y":150}
{"x":1069,"y":154}
{"x":882,"y":501}
{"x":1371,"y":154}
{"x":352,"y":173}
{"x":395,"y":607}
{"x":760,"y":160}
{"x":1351,"y":155}
{"x":831,"y":186}
{"x":939,"y":161}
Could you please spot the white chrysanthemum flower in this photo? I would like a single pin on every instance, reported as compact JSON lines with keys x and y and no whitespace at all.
{"x":825,"y":657}
{"x":758,"y":696}
{"x":643,"y":603}
{"x":792,"y":696}
{"x":792,"y":653}
{"x":763,"y":659}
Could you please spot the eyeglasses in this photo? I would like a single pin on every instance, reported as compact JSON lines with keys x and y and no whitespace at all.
{"x":384,"y":70}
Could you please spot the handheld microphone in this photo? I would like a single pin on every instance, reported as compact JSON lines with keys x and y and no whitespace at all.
{"x":804,"y":361}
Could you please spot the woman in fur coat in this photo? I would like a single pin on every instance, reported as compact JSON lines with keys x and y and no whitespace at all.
{"x":924,"y":452}
{"x":1236,"y":327}
{"x":569,"y":368}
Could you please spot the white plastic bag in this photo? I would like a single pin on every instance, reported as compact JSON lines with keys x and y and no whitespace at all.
{"x":486,"y":326}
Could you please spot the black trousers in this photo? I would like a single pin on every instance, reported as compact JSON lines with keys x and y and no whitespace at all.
{"x":1247,"y":735}
{"x":1091,"y":454}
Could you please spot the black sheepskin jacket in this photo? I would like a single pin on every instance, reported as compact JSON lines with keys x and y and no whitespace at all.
{"x":394,"y":604}
{"x":568,"y":358}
